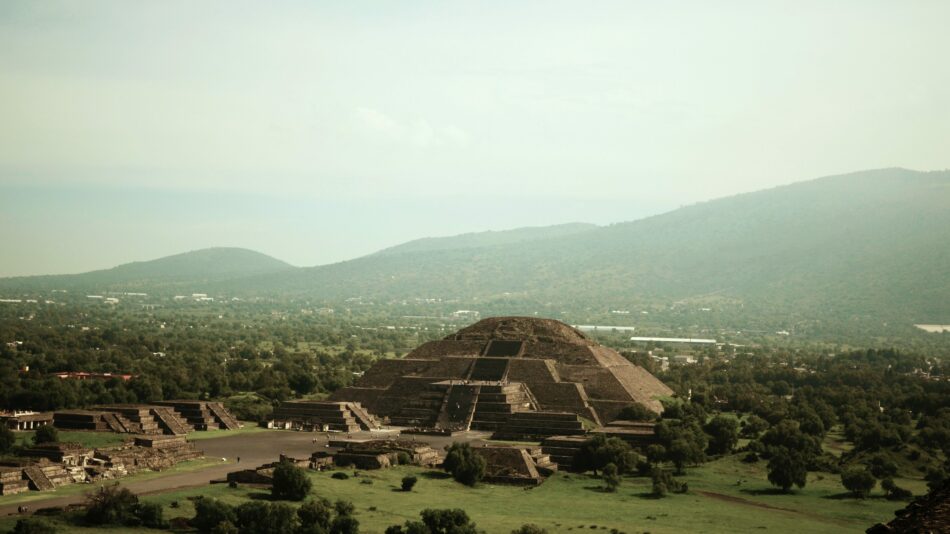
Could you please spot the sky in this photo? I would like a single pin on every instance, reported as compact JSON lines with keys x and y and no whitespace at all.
{"x":317,"y":132}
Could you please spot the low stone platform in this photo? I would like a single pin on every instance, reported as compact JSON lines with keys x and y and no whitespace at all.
{"x":379,"y":454}
{"x":324,"y":416}
{"x":527,"y":466}
{"x":536,"y":426}
{"x":638,"y":434}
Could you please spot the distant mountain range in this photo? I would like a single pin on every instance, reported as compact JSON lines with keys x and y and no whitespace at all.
{"x":210,"y":265}
{"x":874,"y":244}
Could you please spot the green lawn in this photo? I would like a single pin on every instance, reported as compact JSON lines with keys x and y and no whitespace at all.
{"x":725,"y":496}
{"x":717,"y":502}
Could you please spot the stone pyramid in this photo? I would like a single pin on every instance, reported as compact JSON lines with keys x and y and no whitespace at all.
{"x":479,"y":376}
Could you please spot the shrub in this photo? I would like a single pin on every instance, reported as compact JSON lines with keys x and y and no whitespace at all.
{"x":340,"y":475}
{"x":225,"y":527}
{"x":466,"y":465}
{"x":46,"y":434}
{"x":7,"y":439}
{"x":151,"y":515}
{"x":33,"y":525}
{"x":636,"y":412}
{"x":858,"y":481}
{"x":290,"y":482}
{"x":260,"y":517}
{"x":611,"y":477}
{"x":664,"y":482}
{"x":529,"y":528}
{"x":403,"y":458}
{"x":345,"y":524}
{"x":895,"y":492}
{"x":408,"y":482}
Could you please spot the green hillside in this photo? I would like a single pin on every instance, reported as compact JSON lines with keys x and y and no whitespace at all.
{"x":196,"y":267}
{"x":869,"y":247}
{"x":873,"y":244}
{"x":487,"y":239}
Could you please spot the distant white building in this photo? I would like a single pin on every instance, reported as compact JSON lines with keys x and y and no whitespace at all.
{"x":683,"y":359}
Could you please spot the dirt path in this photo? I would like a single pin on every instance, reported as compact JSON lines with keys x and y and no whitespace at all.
{"x":745,"y":502}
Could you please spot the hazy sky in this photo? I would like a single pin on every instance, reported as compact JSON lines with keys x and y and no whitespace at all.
{"x":317,"y":132}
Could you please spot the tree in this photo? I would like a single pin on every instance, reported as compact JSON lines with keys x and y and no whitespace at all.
{"x":723,"y":434}
{"x":151,"y":515}
{"x":449,"y":521}
{"x":600,"y":450}
{"x":859,"y":481}
{"x":226,"y":527}
{"x":787,"y":468}
{"x":611,"y":477}
{"x":209,"y":513}
{"x":111,"y":505}
{"x":466,"y":465}
{"x":46,"y":434}
{"x":636,"y":412}
{"x":315,"y":516}
{"x":408,"y":482}
{"x":663,"y":482}
{"x":753,"y":426}
{"x":33,"y":525}
{"x":7,"y":439}
{"x":290,"y":482}
{"x":345,"y":524}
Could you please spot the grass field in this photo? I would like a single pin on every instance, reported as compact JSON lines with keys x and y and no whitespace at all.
{"x":725,"y":496}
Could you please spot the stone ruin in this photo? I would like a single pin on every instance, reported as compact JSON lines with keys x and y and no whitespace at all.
{"x":323,"y":416}
{"x":925,"y":514}
{"x":155,"y":453}
{"x":527,"y":466}
{"x":380,"y":454}
{"x":165,"y":417}
{"x":482,"y":375}
{"x":51,"y":465}
{"x":203,"y":415}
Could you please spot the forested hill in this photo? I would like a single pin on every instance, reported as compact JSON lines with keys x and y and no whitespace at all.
{"x":187,"y":269}
{"x":875,"y":244}
{"x":487,"y":239}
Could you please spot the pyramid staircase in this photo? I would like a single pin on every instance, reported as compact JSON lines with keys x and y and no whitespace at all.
{"x":497,"y":403}
{"x":561,"y":449}
{"x":224,"y":417}
{"x":37,"y":478}
{"x":424,"y":409}
{"x":364,"y":418}
{"x":458,"y":407}
{"x":170,"y":422}
{"x":315,"y":415}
